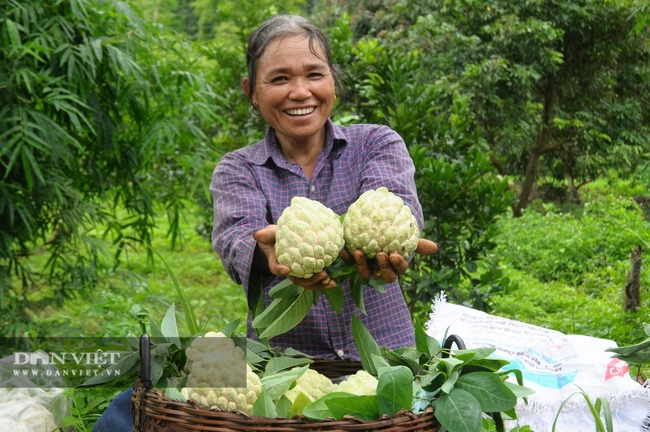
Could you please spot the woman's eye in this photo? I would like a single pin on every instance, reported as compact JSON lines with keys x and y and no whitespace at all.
{"x":315,"y":75}
{"x":279,"y":79}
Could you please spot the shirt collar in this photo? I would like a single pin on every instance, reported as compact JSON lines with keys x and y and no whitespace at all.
{"x":269,"y":147}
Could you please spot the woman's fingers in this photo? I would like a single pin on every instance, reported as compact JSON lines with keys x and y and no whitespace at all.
{"x":362,"y":264}
{"x":426,"y":247}
{"x":346,"y":256}
{"x":266,"y":235}
{"x":318,"y":282}
{"x":386,"y":270}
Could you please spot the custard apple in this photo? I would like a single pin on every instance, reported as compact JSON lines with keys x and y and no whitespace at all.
{"x":309,"y":237}
{"x":219,"y":375}
{"x":379,"y":221}
{"x":311,"y":383}
{"x":360,"y":384}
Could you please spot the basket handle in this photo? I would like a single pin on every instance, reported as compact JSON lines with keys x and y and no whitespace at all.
{"x":451,"y":340}
{"x":145,"y":361}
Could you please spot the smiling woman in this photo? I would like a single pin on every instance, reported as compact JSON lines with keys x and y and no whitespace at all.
{"x":292,"y":83}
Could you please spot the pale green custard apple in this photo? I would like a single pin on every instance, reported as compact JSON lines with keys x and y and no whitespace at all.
{"x":219,"y":375}
{"x":360,"y":384}
{"x":379,"y":221}
{"x":311,"y":383}
{"x":309,"y":237}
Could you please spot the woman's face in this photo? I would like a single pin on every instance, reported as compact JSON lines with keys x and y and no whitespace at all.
{"x":294,"y":89}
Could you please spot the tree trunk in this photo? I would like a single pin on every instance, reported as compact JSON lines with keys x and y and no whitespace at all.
{"x":542,"y":145}
{"x":573,"y":188}
{"x":633,"y":285}
{"x":529,"y":182}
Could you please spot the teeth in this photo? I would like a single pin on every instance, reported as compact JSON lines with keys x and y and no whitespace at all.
{"x":301,"y":111}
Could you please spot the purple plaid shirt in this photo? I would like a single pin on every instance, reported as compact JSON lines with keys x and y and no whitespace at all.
{"x":253,"y":185}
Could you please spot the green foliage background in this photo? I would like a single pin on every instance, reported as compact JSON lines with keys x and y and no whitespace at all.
{"x":526,"y":123}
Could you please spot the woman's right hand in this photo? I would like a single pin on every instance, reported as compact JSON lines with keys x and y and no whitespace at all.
{"x":266,"y":246}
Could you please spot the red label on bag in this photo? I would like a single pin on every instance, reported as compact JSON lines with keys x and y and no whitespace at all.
{"x":616,"y":367}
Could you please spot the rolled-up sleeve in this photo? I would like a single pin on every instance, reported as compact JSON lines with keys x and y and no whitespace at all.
{"x":387,"y":163}
{"x":239,"y":211}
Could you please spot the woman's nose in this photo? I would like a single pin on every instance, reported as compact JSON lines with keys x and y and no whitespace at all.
{"x":300,"y":89}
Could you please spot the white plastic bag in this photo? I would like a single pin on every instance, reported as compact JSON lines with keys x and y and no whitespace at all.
{"x":24,"y":407}
{"x":553,"y":364}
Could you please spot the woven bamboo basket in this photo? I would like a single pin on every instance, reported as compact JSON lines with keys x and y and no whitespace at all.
{"x":153,"y":412}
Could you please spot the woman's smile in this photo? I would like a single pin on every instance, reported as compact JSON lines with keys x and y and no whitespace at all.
{"x":295,"y":91}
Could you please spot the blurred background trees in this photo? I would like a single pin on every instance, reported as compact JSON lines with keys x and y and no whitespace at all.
{"x":113,"y":115}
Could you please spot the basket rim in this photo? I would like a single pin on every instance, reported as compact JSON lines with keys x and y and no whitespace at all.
{"x":151,"y":398}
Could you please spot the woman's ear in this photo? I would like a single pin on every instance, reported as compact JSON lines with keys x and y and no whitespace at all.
{"x":245,"y":85}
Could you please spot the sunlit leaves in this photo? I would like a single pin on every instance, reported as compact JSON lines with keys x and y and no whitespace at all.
{"x":85,"y":86}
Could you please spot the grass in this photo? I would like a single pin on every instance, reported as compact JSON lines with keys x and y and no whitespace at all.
{"x":568,"y":265}
{"x":142,"y":289}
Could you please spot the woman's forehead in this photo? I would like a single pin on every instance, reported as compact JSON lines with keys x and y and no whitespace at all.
{"x":292,"y":47}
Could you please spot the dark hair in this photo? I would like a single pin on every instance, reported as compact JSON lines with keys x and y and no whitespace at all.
{"x":282,"y":26}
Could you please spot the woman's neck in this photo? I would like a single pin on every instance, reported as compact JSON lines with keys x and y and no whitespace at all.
{"x":303,"y":152}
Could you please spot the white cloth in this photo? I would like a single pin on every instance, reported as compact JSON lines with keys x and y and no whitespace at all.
{"x":26,"y":407}
{"x":553,"y":364}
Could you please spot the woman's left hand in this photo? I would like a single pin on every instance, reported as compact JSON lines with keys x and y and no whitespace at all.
{"x":388,"y":267}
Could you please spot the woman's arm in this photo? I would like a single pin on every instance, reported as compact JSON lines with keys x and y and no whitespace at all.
{"x":240,"y":210}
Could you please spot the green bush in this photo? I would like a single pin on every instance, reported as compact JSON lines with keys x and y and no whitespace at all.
{"x":570,"y":247}
{"x":568,"y":271}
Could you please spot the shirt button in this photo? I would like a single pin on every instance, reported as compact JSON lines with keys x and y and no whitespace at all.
{"x":340,"y":353}
{"x":312,"y":188}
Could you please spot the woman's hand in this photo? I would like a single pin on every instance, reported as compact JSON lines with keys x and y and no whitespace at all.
{"x":266,"y":252}
{"x":387,"y":267}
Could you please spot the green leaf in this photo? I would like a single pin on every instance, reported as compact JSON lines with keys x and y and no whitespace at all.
{"x":264,"y":406}
{"x":285,"y":289}
{"x":318,"y":410}
{"x":492,"y":394}
{"x":432,"y":381}
{"x":379,"y":361}
{"x":284,"y":407}
{"x":173,"y":393}
{"x":356,"y":291}
{"x":190,"y":320}
{"x":464,"y":356}
{"x":155,"y":332}
{"x":335,"y":298}
{"x":273,"y":311}
{"x":631,"y":349}
{"x":290,"y":317}
{"x":377,"y":284}
{"x":277,"y":364}
{"x":458,"y":411}
{"x":169,"y":328}
{"x":519,"y":391}
{"x":395,"y":390}
{"x":157,"y":368}
{"x":491,"y":365}
{"x":340,"y":270}
{"x":363,"y":407}
{"x":14,"y":34}
{"x":277,"y":384}
{"x":256,"y":299}
{"x":449,"y":364}
{"x":114,"y":371}
{"x":425,"y":343}
{"x":299,"y":404}
{"x":450,"y":382}
{"x":230,"y":328}
{"x":366,"y":345}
